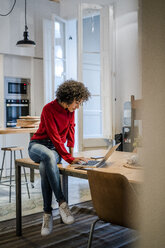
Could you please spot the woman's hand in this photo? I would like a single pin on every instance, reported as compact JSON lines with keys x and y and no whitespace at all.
{"x":79,"y":159}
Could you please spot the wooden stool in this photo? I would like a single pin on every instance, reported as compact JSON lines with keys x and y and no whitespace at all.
{"x":12,"y":149}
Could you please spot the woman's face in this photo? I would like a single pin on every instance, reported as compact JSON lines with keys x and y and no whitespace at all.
{"x":74,"y":105}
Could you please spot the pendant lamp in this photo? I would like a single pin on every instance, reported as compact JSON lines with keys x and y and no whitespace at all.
{"x":25,"y":42}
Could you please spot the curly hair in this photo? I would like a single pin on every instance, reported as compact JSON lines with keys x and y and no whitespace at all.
{"x":72,"y":90}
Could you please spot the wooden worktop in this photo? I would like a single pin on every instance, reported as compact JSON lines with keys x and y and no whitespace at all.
{"x":115,"y":164}
{"x":17,"y":130}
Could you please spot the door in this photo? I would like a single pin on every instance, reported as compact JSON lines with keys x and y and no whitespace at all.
{"x":95,"y":70}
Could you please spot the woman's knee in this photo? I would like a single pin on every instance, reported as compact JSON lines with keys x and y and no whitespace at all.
{"x":49,"y":157}
{"x":34,"y":151}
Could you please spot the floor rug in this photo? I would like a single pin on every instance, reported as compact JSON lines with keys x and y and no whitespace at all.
{"x":69,"y":236}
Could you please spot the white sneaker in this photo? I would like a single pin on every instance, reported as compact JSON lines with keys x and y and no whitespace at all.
{"x":65,"y":213}
{"x":47,"y":225}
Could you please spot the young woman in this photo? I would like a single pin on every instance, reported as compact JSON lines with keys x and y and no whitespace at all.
{"x":47,"y":147}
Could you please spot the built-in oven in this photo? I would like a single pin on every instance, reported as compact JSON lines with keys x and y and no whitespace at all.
{"x":15,"y":109}
{"x":17,"y":99}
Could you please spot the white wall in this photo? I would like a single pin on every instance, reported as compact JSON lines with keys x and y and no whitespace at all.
{"x":37,"y":89}
{"x":12,"y":26}
{"x":128,"y":81}
{"x":153,"y":82}
{"x":17,"y":66}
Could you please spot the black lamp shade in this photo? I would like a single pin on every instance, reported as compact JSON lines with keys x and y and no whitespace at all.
{"x":26,"y":42}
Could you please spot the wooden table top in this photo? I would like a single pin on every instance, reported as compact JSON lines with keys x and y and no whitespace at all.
{"x":115,"y":165}
{"x":17,"y":130}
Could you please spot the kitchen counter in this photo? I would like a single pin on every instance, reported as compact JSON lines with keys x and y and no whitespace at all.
{"x":17,"y":130}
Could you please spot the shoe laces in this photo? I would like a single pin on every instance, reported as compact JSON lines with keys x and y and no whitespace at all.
{"x":67,"y":211}
{"x":46,"y":221}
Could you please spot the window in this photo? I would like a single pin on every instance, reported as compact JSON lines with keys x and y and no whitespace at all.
{"x":96,"y":70}
{"x":92,"y":111}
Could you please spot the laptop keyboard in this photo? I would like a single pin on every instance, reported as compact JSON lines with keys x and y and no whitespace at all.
{"x":91,"y":162}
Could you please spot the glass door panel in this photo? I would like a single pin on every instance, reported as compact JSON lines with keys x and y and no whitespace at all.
{"x":59,"y":52}
{"x":92,"y":110}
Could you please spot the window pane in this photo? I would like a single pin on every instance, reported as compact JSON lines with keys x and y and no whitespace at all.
{"x":91,"y":79}
{"x":60,"y":53}
{"x":57,"y":30}
{"x":92,"y":128}
{"x":59,"y":67}
{"x":91,"y":32}
{"x":92,"y":112}
{"x":93,"y":103}
{"x":60,"y":34}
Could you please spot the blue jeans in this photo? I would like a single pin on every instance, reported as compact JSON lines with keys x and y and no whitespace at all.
{"x":43,"y":152}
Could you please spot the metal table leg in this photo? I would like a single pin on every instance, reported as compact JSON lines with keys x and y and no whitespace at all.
{"x":18,"y":201}
{"x":31,"y":170}
{"x":32,"y":175}
{"x":65,"y":186}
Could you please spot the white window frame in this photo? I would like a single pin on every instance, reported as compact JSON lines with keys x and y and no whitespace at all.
{"x":66,"y":67}
{"x":107,"y":55}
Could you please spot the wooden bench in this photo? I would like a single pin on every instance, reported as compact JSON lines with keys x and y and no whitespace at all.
{"x":65,"y":171}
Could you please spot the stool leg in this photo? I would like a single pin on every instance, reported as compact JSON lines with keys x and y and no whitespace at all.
{"x":27,"y":187}
{"x":10,"y":176}
{"x":3,"y":161}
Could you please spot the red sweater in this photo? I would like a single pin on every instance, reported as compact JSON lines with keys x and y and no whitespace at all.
{"x":57,"y":124}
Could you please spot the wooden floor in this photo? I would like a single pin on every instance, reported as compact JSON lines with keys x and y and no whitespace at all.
{"x":67,"y":236}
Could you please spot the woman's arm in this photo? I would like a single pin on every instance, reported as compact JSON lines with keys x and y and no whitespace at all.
{"x":71,"y":151}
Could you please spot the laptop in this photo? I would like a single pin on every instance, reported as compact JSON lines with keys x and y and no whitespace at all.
{"x":94,"y":163}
